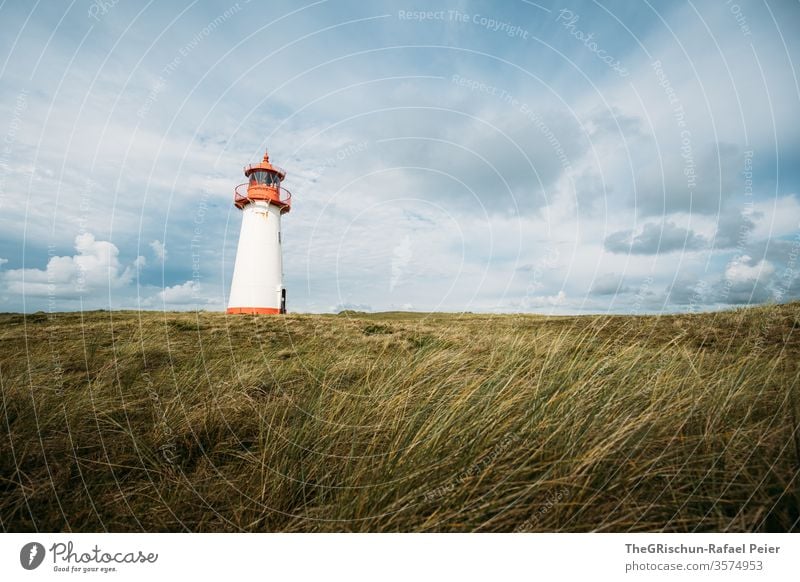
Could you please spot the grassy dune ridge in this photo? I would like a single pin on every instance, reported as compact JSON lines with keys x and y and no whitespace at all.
{"x":129,"y":421}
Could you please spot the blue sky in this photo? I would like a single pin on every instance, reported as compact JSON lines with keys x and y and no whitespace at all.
{"x":460,"y":156}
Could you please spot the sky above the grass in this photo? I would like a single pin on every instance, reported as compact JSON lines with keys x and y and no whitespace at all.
{"x":478,"y":156}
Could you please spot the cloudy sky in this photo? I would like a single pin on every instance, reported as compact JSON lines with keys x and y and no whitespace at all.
{"x":481,"y":156}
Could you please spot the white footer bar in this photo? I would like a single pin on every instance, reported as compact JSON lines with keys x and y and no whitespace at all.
{"x":377,"y":557}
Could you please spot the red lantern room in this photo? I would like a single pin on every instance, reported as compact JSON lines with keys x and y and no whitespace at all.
{"x":264,"y":184}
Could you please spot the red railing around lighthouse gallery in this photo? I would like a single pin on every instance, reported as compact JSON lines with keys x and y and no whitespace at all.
{"x":279,"y":196}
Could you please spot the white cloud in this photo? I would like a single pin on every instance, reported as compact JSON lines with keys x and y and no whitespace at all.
{"x":655,"y":238}
{"x":779,"y":216}
{"x":187,"y":292}
{"x":95,"y":266}
{"x":159,"y":250}
{"x":740,"y":271}
{"x":747,"y":282}
{"x":559,"y":298}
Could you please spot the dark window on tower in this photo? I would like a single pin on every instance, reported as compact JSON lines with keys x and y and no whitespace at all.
{"x":265,"y":178}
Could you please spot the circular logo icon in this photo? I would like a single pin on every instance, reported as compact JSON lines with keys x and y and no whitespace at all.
{"x":31,"y":555}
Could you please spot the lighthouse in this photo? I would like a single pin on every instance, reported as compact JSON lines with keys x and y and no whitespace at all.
{"x":257,"y":285}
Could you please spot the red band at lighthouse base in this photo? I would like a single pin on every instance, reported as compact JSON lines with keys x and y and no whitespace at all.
{"x":254,"y":310}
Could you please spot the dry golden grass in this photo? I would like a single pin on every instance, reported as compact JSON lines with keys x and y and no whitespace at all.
{"x":131,"y":421}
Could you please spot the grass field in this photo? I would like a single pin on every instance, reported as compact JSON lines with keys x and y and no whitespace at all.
{"x":127,"y":421}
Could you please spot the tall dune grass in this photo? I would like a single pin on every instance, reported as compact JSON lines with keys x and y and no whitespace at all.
{"x":130,"y":421}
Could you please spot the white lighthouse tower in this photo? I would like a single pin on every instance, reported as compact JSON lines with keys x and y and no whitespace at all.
{"x":257,"y":285}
